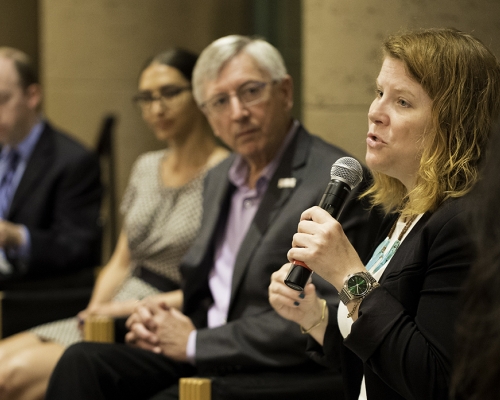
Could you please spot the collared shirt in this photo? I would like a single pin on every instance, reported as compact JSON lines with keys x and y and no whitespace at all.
{"x":244,"y":204}
{"x":25,"y":149}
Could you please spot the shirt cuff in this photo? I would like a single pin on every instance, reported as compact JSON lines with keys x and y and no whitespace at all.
{"x":191,"y":347}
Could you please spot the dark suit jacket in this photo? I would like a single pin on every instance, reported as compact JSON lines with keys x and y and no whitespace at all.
{"x":255,"y":337}
{"x":58,"y":199}
{"x":403,"y":338}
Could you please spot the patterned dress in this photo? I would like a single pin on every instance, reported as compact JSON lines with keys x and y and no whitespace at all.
{"x":160,"y":223}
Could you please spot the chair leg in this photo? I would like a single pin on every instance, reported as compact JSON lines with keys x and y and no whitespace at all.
{"x":195,"y":389}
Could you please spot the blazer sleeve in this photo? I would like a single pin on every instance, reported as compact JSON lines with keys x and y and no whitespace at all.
{"x":405,"y":329}
{"x":262,"y":340}
{"x":73,"y":239}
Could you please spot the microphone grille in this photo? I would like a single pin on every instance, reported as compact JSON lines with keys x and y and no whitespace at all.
{"x":348,"y":170}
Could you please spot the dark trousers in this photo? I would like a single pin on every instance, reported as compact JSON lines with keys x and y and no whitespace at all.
{"x":114,"y":371}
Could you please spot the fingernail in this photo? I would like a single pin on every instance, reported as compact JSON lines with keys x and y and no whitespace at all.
{"x":302,"y":295}
{"x":296,"y":303}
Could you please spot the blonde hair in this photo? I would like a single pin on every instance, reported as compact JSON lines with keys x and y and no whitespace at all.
{"x":462,"y":78}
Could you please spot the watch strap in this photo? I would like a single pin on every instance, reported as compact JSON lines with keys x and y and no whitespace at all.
{"x":346,"y":296}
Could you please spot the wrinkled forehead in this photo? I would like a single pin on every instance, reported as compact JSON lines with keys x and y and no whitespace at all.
{"x":235,"y":72}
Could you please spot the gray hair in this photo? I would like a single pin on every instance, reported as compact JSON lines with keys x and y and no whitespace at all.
{"x":221,"y":51}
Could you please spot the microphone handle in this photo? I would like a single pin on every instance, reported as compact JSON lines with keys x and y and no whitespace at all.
{"x":332,"y":201}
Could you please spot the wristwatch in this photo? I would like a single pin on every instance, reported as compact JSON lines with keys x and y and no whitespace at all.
{"x":357,"y":286}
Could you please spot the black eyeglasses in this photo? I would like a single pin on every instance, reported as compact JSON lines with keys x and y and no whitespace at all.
{"x":167,"y":96}
{"x":249,"y":94}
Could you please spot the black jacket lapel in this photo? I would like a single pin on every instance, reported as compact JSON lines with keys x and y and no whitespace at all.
{"x":291,"y":166}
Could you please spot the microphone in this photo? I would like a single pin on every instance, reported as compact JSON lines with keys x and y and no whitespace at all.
{"x":346,"y":174}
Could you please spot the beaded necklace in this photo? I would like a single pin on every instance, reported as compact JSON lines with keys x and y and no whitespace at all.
{"x":379,"y":259}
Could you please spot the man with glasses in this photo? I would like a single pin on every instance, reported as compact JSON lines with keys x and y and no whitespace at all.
{"x":50,"y":189}
{"x":227,"y":325}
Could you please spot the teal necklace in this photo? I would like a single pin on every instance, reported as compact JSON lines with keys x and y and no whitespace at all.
{"x":379,"y":257}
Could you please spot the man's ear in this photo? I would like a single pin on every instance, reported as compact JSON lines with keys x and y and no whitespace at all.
{"x":34,"y":95}
{"x":286,"y":86}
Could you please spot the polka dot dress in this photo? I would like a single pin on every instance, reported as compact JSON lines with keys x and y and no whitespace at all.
{"x":160,"y":222}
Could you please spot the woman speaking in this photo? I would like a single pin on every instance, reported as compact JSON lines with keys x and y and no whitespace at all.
{"x":436,"y":96}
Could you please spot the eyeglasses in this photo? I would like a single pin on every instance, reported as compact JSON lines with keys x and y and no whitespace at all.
{"x":249,"y":94}
{"x":168,"y":96}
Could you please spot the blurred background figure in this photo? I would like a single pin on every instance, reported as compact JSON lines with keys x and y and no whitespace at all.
{"x":477,"y":364}
{"x":437,"y":95}
{"x":50,"y":191}
{"x":162,"y":209}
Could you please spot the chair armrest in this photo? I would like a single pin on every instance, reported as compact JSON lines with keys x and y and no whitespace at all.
{"x":314,"y":383}
{"x":99,"y":329}
{"x":195,"y":389}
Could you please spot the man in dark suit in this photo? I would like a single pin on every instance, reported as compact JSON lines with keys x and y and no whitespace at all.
{"x":252,"y":205}
{"x":50,"y":189}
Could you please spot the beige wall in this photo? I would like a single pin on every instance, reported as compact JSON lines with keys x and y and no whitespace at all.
{"x":92,"y":51}
{"x":341,"y":59}
{"x":19,"y":26}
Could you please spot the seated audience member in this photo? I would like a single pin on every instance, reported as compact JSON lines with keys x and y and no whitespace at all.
{"x":162,"y":215}
{"x":50,"y":191}
{"x":438,"y":92}
{"x":477,"y":366}
{"x":227,"y":325}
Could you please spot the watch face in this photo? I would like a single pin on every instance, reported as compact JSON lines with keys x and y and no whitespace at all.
{"x":357,"y":285}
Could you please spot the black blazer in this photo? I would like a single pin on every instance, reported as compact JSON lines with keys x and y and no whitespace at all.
{"x":58,"y":199}
{"x":255,"y":337}
{"x":403,"y":339}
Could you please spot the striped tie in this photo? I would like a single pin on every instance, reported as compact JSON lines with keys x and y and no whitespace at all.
{"x":6,"y":188}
